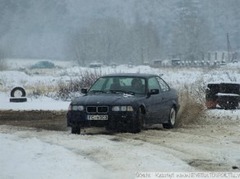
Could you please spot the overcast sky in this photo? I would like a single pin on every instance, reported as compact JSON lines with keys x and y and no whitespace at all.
{"x":45,"y":28}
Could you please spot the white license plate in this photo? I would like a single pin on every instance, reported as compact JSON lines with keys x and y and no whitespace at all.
{"x":97,"y":117}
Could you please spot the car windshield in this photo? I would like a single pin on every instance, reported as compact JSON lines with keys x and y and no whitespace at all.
{"x":115,"y":84}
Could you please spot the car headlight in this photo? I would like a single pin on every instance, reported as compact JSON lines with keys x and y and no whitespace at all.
{"x":77,"y":108}
{"x":122,"y":108}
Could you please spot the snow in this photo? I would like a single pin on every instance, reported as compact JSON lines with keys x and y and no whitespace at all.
{"x":31,"y":153}
{"x":41,"y":103}
{"x":27,"y":157}
{"x":41,"y":158}
{"x":227,"y":94}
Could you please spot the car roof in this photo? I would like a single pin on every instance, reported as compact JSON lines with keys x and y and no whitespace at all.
{"x":143,"y":75}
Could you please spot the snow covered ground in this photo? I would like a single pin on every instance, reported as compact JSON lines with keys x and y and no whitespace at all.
{"x":212,"y":144}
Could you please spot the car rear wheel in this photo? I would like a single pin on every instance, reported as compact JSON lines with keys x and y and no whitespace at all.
{"x":171,"y":119}
{"x":76,"y":130}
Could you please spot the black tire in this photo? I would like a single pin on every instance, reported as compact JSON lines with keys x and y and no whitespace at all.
{"x":138,"y":122}
{"x":18,"y":100}
{"x":14,"y":90}
{"x":76,"y":130}
{"x":171,"y":119}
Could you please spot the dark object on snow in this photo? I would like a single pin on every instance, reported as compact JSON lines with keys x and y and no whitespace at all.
{"x":223,"y":95}
{"x":235,"y":167}
{"x":18,"y":94}
{"x":17,"y":90}
{"x":124,"y":102}
{"x":95,"y":65}
{"x":211,"y":97}
{"x":42,"y":65}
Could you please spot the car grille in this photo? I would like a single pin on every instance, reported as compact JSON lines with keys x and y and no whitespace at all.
{"x":97,"y":109}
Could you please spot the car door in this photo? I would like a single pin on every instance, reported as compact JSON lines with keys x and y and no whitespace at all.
{"x":155,"y":102}
{"x":166,"y":100}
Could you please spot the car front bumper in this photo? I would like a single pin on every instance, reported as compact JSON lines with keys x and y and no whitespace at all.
{"x":114,"y":119}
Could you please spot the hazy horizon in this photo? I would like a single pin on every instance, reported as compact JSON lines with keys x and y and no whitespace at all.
{"x":111,"y":30}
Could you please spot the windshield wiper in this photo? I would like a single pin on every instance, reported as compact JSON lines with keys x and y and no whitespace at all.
{"x":130,"y":92}
{"x":97,"y":91}
{"x":122,"y":91}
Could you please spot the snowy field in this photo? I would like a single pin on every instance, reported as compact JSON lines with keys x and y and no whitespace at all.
{"x":212,"y":144}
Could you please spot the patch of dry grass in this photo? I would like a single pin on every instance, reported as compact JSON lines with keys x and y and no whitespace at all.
{"x":40,"y":89}
{"x":84,"y":80}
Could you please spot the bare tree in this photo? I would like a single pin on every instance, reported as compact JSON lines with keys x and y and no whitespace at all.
{"x":101,"y":41}
{"x":191,"y":31}
{"x":145,"y":41}
{"x":3,"y":64}
{"x":111,"y":40}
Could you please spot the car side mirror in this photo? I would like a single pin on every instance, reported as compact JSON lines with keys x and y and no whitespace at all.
{"x":84,"y":90}
{"x":153,"y":91}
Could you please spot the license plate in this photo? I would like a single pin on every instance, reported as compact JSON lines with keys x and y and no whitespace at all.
{"x":97,"y":117}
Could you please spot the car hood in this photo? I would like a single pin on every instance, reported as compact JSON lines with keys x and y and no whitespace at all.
{"x":106,"y":99}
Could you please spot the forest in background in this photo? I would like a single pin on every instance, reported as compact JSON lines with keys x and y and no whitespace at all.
{"x":117,"y":30}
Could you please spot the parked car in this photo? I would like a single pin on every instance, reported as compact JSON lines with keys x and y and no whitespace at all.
{"x":42,"y":65}
{"x":124,"y":102}
{"x":95,"y":65}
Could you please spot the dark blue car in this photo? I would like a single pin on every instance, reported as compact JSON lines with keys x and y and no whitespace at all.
{"x":124,"y":102}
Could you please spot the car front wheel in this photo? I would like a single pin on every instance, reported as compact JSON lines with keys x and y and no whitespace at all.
{"x":171,"y":119}
{"x":76,"y":130}
{"x":139,"y":122}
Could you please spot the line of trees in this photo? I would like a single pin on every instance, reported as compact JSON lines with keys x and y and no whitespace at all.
{"x":117,"y":31}
{"x":111,"y":40}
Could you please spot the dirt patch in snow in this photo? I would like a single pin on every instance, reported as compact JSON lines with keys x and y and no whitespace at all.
{"x":210,"y":144}
{"x":49,"y":120}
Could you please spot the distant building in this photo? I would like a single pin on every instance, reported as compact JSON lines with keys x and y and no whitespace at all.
{"x":222,"y":56}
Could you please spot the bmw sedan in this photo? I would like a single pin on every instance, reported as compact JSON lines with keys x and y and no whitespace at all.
{"x":124,"y":102}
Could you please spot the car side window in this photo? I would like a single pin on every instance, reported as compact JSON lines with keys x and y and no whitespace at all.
{"x":164,"y":86}
{"x":153,"y":84}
